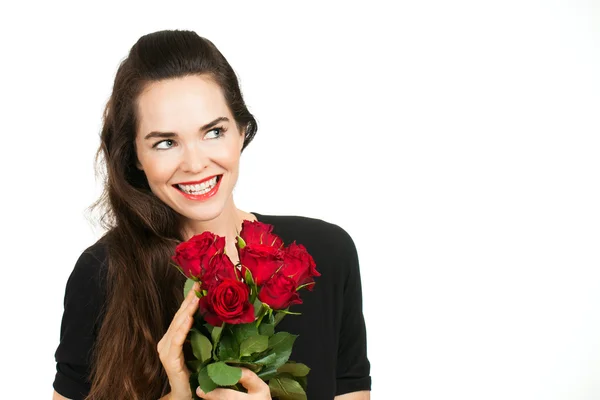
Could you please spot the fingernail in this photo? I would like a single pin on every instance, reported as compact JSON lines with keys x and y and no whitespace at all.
{"x":199,"y":392}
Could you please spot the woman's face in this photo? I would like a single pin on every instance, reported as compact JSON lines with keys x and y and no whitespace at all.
{"x":187,"y":135}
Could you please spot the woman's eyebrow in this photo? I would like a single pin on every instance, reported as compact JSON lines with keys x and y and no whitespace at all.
{"x":156,"y":134}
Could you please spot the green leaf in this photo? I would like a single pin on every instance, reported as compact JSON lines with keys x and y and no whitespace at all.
{"x":254,"y":344}
{"x":242,"y":332}
{"x":188,"y":286}
{"x":194,"y":365}
{"x":267,"y":373}
{"x":286,"y":389}
{"x":216,"y":333}
{"x":252,"y":366}
{"x":266,"y":329}
{"x":201,"y":346}
{"x":296,"y":369}
{"x":267,"y":360}
{"x":278,"y":317}
{"x":302,"y":381}
{"x":228,"y":349}
{"x":258,"y":307}
{"x":194,"y":385}
{"x":282,"y":341}
{"x":223,"y":374}
{"x":280,"y":344}
{"x":206,"y":384}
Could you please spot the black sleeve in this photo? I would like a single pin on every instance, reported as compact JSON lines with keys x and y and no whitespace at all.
{"x":353,"y":367}
{"x":82,"y":305}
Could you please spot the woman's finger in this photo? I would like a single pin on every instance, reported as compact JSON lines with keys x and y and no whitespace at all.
{"x":181,"y":327}
{"x":180,"y":321}
{"x":219,"y":394}
{"x":252,"y":382}
{"x":170,"y":346}
{"x":189,"y":297}
{"x":179,"y":336}
{"x":177,"y":318}
{"x":175,"y":358}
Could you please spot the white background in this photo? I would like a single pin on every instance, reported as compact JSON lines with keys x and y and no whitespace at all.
{"x":456,"y":141}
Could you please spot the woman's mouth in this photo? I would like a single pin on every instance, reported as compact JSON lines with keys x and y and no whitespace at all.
{"x":200,"y":191}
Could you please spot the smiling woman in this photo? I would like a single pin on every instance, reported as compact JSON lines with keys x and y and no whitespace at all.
{"x":174,"y":130}
{"x":193,"y":148}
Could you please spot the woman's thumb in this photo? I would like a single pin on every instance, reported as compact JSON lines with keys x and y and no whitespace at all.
{"x":252,"y":382}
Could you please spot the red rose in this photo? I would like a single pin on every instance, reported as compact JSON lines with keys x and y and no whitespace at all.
{"x":279,"y":292}
{"x":261,"y":260}
{"x":193,"y":256}
{"x":255,"y":232}
{"x":227,"y":301}
{"x":299,"y":265}
{"x":219,"y":267}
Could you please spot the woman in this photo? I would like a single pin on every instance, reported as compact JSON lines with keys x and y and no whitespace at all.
{"x":174,"y":129}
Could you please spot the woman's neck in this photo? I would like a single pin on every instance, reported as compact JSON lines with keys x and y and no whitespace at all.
{"x":228,"y":224}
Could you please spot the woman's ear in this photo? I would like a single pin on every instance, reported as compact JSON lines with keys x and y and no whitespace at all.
{"x":138,"y":165}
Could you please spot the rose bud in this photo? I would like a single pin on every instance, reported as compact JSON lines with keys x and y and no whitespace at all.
{"x":279,"y":292}
{"x":219,"y":268}
{"x":261,"y":260}
{"x":255,"y":232}
{"x":299,"y":265}
{"x":193,"y":256}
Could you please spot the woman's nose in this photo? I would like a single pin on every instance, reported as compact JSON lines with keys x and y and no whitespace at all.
{"x":193,"y":160}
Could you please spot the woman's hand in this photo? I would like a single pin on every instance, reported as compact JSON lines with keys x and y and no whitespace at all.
{"x":256,"y":387}
{"x":170,"y":347}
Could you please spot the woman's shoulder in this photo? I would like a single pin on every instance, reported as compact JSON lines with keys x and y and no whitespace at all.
{"x":89,"y":271}
{"x":98,"y":252}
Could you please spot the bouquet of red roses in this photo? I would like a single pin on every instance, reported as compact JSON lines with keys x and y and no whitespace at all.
{"x":240,"y":306}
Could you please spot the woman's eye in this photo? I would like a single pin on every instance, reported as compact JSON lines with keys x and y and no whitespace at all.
{"x":158,"y":145}
{"x":217,"y":130}
{"x":216,"y":133}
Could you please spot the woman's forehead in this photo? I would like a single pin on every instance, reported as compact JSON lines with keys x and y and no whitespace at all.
{"x":170,"y":103}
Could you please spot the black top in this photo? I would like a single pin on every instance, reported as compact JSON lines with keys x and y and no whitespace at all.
{"x":331,"y":329}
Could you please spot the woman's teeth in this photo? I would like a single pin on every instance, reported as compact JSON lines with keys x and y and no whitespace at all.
{"x":201,"y":188}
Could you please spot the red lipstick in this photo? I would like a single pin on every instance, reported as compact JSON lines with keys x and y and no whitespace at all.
{"x":200,"y":197}
{"x":197,"y":182}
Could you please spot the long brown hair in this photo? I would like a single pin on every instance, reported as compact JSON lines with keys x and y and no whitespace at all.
{"x":143,"y":291}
